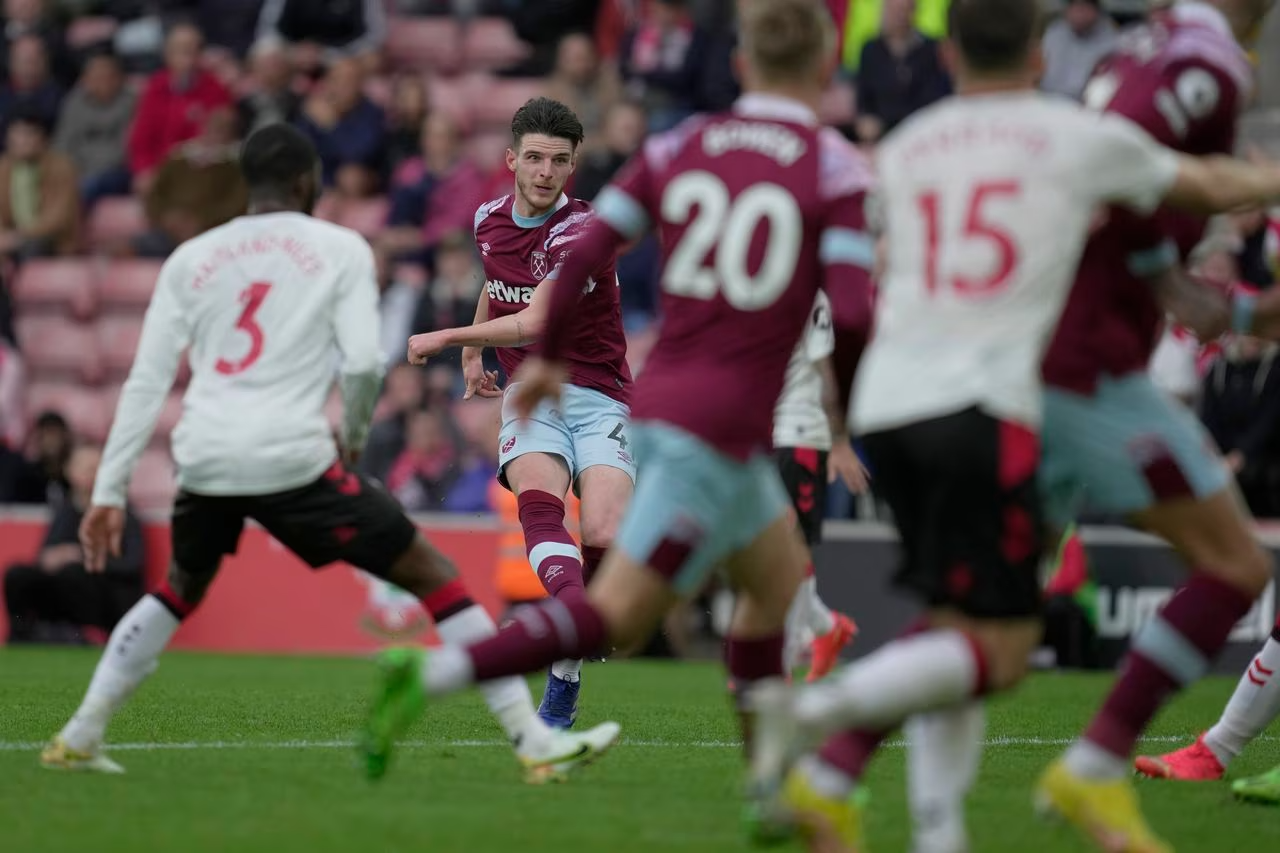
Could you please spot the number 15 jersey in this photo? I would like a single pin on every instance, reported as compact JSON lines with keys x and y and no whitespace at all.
{"x":987,"y":202}
{"x":263,"y":305}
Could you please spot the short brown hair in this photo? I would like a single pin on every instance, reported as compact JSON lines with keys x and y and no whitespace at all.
{"x":549,"y":118}
{"x":994,"y":35}
{"x":786,"y":39}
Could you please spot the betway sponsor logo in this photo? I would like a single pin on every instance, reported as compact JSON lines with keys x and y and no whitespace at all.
{"x":504,"y":292}
{"x":1123,"y":610}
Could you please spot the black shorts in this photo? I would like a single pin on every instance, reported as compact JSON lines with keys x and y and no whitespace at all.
{"x":804,"y":473}
{"x":963,"y":493}
{"x":340,"y":517}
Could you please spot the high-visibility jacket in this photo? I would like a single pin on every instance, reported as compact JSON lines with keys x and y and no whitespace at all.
{"x":862,"y":24}
{"x":516,"y":579}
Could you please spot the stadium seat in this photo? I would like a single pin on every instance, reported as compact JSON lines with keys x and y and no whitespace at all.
{"x":118,"y":341}
{"x":494,"y":101}
{"x":838,"y":106}
{"x":367,"y":215}
{"x":128,"y":284}
{"x":154,"y":484}
{"x":424,"y":44}
{"x":55,"y":347}
{"x":82,"y":407}
{"x":490,"y":44}
{"x":87,"y":32}
{"x":453,"y":97}
{"x":115,"y":220}
{"x":58,"y":285}
{"x":488,"y":150}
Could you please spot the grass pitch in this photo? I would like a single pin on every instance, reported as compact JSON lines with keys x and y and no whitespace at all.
{"x":253,"y":755}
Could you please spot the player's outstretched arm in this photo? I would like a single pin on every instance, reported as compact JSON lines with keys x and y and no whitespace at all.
{"x":1195,"y":305}
{"x":513,"y":330}
{"x":355,"y":324}
{"x":1220,"y":184}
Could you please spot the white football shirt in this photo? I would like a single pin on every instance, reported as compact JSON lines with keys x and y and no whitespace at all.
{"x":800,"y":419}
{"x":263,"y":305}
{"x":987,"y":202}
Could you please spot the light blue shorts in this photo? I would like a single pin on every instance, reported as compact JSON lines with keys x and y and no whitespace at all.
{"x":1123,"y":449}
{"x":586,"y":428}
{"x":694,"y":506}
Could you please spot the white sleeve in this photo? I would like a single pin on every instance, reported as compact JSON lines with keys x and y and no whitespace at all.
{"x":356,"y":324}
{"x":166,"y":332}
{"x":1125,"y":166}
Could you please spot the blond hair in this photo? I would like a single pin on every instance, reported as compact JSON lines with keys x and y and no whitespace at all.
{"x":786,"y":40}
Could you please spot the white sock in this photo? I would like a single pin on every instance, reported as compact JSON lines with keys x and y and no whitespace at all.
{"x":1253,"y":706}
{"x":943,"y":750}
{"x":448,"y":669}
{"x":908,"y":676}
{"x":567,"y":670}
{"x":820,"y":618}
{"x":797,"y":634}
{"x":1087,"y":759}
{"x":507,"y":698}
{"x":130,"y":656}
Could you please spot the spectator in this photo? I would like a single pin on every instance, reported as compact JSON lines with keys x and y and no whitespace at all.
{"x":30,"y":89}
{"x":426,"y":470}
{"x":435,"y":194}
{"x":57,"y":593}
{"x":541,"y":25}
{"x":94,"y":126}
{"x":1073,"y":45}
{"x":624,"y":128}
{"x":450,"y":301}
{"x":348,"y":129}
{"x":174,"y":105}
{"x":38,"y":474}
{"x":662,"y":63}
{"x":1254,"y":228}
{"x":325,"y":31}
{"x":229,"y":24}
{"x":396,"y":303}
{"x":1241,"y":409}
{"x":39,"y":194}
{"x":581,"y":83}
{"x":271,"y":100}
{"x":403,"y":393}
{"x":404,"y":119}
{"x":899,"y":72}
{"x":12,"y":390}
{"x":199,"y":187}
{"x":480,"y":423}
{"x":23,"y":18}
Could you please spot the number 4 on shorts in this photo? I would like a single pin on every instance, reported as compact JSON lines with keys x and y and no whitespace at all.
{"x":619,"y":436}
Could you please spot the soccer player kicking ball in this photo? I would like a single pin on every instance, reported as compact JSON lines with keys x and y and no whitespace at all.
{"x":755,"y":207}
{"x":262,"y":303}
{"x":580,"y":441}
{"x":988,"y":199}
{"x":812,"y":447}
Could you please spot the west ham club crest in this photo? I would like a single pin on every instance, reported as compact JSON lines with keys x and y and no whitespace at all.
{"x":538,"y":265}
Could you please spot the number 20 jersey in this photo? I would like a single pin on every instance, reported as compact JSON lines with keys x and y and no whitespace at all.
{"x":756,"y":209}
{"x":987,"y":201}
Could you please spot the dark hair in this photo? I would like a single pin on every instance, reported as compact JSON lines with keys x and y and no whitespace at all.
{"x":52,"y":420}
{"x":32,"y":117}
{"x":994,"y":35}
{"x":274,"y":157}
{"x":548,"y":117}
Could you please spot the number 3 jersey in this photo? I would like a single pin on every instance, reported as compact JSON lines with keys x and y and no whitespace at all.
{"x":987,"y":201}
{"x":756,"y":209}
{"x":519,"y":253}
{"x":263,"y":305}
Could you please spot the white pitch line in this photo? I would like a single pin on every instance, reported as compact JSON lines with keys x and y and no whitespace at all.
{"x":995,"y":742}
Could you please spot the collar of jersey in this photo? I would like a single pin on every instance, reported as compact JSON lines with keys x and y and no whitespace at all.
{"x":535,"y":221}
{"x":778,"y":107}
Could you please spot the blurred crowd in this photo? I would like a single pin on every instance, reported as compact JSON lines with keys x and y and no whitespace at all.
{"x":121,"y":119}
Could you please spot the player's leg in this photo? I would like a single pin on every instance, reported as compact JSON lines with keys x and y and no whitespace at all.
{"x":203,"y":530}
{"x":943,"y":752}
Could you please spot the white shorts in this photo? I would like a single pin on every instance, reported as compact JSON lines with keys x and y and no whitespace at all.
{"x":586,"y":428}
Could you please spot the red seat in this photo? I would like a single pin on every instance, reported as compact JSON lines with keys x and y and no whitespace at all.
{"x":118,"y":341}
{"x":115,"y":220}
{"x":87,"y":32}
{"x":423,"y":44}
{"x":491,"y":43}
{"x":82,"y":407}
{"x":452,"y":96}
{"x":154,"y":482}
{"x":368,"y":216}
{"x":494,"y":101}
{"x":56,"y":283}
{"x":57,"y":348}
{"x":128,"y":284}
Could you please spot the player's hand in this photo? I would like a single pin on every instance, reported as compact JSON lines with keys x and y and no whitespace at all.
{"x":479,"y":381}
{"x":538,"y":380}
{"x":100,"y":534}
{"x":844,"y":464}
{"x":422,"y":347}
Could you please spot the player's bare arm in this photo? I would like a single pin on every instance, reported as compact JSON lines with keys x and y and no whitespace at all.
{"x":842,"y":463}
{"x":1195,"y":305}
{"x":1221,"y":184}
{"x":479,"y":381}
{"x":514,"y":330}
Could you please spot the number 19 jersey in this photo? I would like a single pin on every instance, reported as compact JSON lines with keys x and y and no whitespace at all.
{"x":987,"y":201}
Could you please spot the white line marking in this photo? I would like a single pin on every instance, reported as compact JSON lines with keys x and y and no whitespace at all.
{"x":995,"y":742}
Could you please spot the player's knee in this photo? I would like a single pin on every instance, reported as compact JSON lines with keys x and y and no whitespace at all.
{"x":188,"y":585}
{"x":600,"y":528}
{"x":1006,"y":649}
